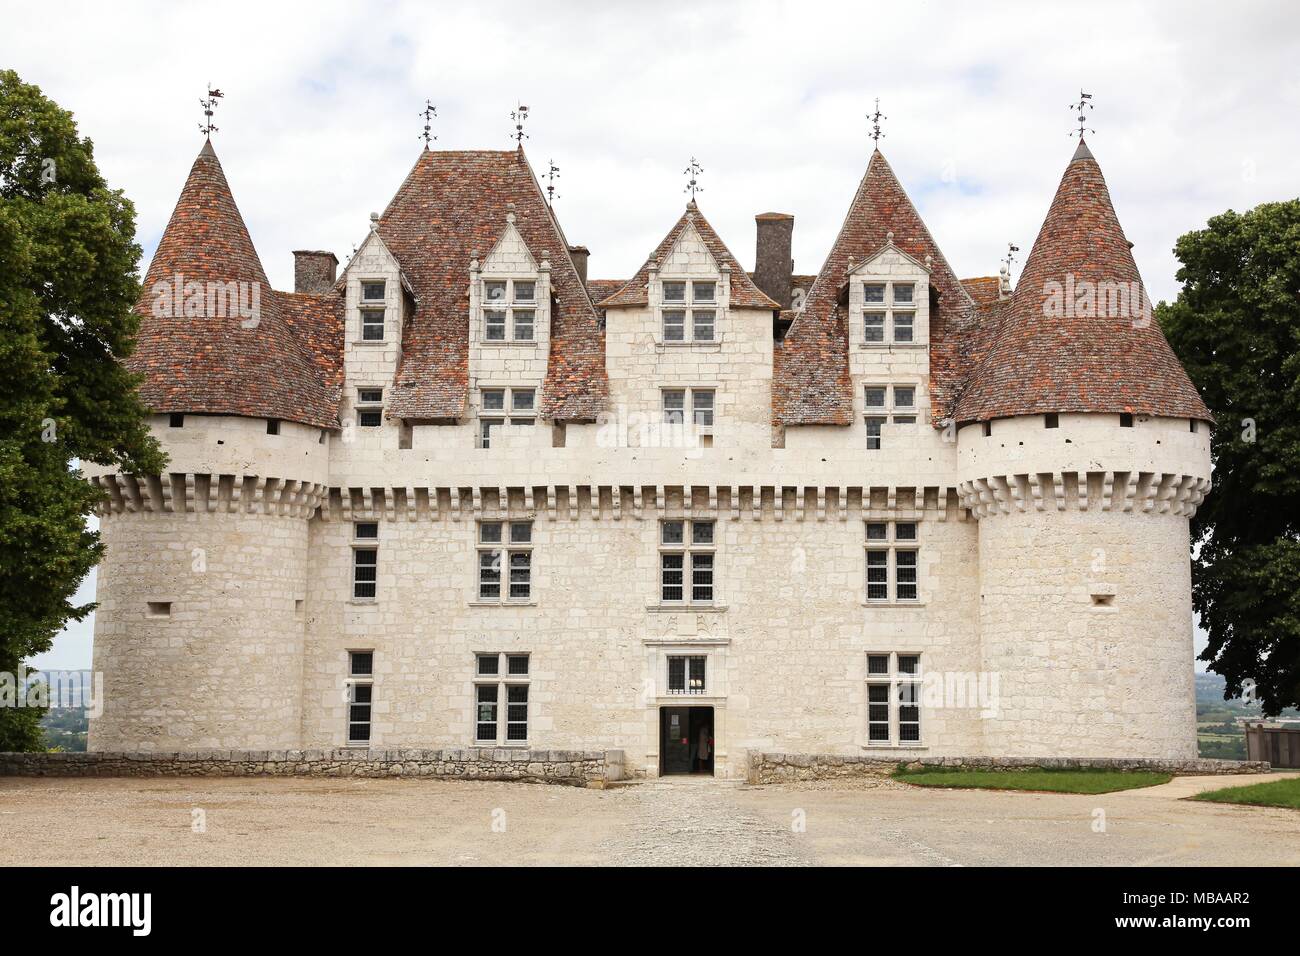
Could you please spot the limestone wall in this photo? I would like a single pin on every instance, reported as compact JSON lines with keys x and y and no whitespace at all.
{"x":199,"y":630}
{"x":786,"y":641}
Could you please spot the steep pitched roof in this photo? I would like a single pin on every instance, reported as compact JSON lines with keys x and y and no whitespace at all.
{"x":214,"y":362}
{"x":1053,"y":353}
{"x":600,"y":289}
{"x":744,"y":294}
{"x":451,"y":208}
{"x":812,"y":384}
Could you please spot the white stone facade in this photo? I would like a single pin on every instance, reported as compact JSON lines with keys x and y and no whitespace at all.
{"x":1051,"y":616}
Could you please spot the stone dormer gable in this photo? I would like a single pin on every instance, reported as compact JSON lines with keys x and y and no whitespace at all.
{"x":510,"y":293}
{"x":887,"y":295}
{"x":741,"y":292}
{"x":376,"y":291}
{"x":450,"y":211}
{"x":812,"y":384}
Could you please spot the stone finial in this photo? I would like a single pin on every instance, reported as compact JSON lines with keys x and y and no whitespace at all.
{"x":374,"y":222}
{"x":1004,"y":281}
{"x":929,"y":263}
{"x":889,"y":237}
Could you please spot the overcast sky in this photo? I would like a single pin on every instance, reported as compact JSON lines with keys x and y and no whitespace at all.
{"x":1196,"y":112}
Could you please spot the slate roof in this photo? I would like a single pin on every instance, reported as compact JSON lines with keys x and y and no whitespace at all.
{"x":1105,"y":357}
{"x":287,"y":365}
{"x":744,"y":294}
{"x":451,"y":208}
{"x":812,"y":385}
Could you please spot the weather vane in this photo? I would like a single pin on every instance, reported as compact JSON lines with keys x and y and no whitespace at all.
{"x":209,"y":104}
{"x":1082,"y":107}
{"x":693,"y":186}
{"x":429,"y":112}
{"x":875,"y":118}
{"x":520,"y":116}
{"x":1012,"y":249}
{"x":552,"y":175}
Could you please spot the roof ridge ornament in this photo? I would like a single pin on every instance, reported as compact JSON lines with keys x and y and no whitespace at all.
{"x":552,"y":174}
{"x":693,"y":184}
{"x":429,"y":112}
{"x":209,"y":104}
{"x":875,"y":118}
{"x":1082,"y":107}
{"x":519,"y":116}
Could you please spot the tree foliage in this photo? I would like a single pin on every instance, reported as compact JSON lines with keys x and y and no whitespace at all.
{"x":1236,"y":327}
{"x":68,"y":283}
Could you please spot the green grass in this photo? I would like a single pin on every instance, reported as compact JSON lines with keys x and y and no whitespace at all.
{"x":1033,"y":778}
{"x":1275,"y":793}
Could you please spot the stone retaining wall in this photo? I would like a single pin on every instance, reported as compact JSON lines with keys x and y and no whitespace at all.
{"x":785,"y":768}
{"x":576,"y":768}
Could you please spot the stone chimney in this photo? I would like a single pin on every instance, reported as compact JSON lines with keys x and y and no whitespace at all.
{"x":772,"y":263}
{"x":580,"y":255}
{"x":314,"y":272}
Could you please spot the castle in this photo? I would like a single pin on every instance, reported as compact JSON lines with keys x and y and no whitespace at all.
{"x":461,"y":495}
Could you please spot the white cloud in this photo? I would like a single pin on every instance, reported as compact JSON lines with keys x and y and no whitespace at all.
{"x":1195,"y":108}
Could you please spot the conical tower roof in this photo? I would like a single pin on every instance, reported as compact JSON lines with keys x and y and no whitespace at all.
{"x":1080,"y":336}
{"x":214,"y":337}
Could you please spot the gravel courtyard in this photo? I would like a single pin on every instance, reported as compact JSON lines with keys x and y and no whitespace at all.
{"x":693,"y":822}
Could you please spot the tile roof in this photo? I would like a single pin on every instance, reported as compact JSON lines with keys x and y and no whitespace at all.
{"x":285,"y":366}
{"x":451,"y":208}
{"x":744,"y":294}
{"x":603,"y":288}
{"x":983,"y":290}
{"x":812,"y":384}
{"x":1049,"y":358}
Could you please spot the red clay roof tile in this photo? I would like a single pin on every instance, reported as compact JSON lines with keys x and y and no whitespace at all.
{"x":1053,"y":352}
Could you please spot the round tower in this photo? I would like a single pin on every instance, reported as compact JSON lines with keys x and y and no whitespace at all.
{"x":199,"y":633}
{"x":1083,"y":452}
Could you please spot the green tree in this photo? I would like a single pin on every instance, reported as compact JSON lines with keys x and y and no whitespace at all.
{"x":67,"y":287}
{"x":1236,"y":327}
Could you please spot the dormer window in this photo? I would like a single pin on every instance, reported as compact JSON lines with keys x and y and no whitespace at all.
{"x":372,"y":325}
{"x":370,"y":407}
{"x":372,"y":291}
{"x":888,"y":312}
{"x":509,"y":310}
{"x":887,"y":404}
{"x":689,"y":309}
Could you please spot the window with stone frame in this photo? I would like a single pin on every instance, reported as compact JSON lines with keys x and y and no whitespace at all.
{"x":499,"y":406}
{"x":702,"y":403}
{"x":505,"y":562}
{"x":365,"y":560}
{"x":360,"y":696}
{"x":509,"y":311}
{"x":893,"y":699}
{"x":501,"y":690}
{"x":888,"y":312}
{"x":887,"y":404}
{"x":892,"y":560}
{"x":687,"y":547}
{"x":688,"y":311}
{"x":374,"y":312}
{"x":370,"y":407}
{"x":686,"y":673}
